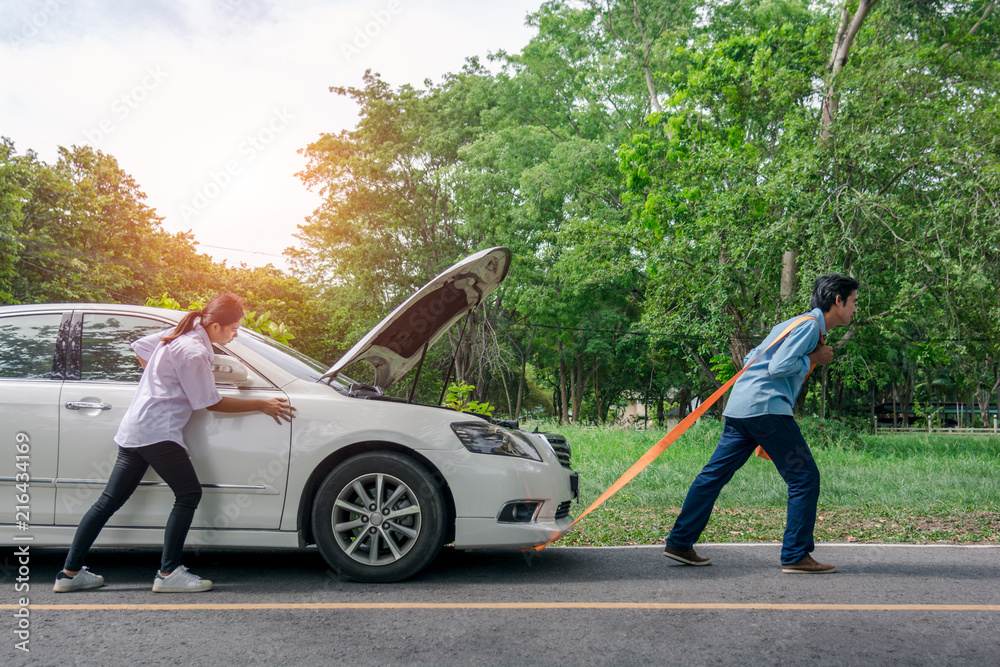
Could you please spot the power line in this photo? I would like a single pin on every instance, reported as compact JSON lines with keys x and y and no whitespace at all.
{"x":654,"y":334}
{"x":531,"y":325}
{"x":249,"y":252}
{"x":197,"y":245}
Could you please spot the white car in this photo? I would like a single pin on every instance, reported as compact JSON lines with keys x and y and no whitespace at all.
{"x":378,"y":483}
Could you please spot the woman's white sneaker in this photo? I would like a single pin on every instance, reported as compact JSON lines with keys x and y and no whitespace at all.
{"x":180,"y":581}
{"x":83,"y":580}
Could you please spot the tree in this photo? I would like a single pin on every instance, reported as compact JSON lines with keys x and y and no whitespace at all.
{"x":905,"y":185}
{"x":80,"y":230}
{"x":85,"y":233}
{"x":542,"y":178}
{"x":708,"y":191}
{"x":883,"y":174}
{"x":388,"y":223}
{"x":12,"y":197}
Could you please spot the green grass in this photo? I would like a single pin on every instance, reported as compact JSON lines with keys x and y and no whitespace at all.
{"x":894,"y":488}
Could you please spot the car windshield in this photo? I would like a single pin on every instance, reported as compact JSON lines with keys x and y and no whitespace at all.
{"x":289,"y":360}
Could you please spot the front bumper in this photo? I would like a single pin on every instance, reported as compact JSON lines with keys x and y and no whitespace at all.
{"x":487,"y":533}
{"x":482,"y":484}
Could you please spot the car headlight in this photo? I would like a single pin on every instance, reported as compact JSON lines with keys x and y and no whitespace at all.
{"x":484,"y":438}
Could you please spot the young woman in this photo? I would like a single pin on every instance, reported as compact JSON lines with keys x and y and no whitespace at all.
{"x":176,"y":381}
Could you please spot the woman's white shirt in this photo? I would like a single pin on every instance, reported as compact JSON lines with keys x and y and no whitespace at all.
{"x":177,"y":381}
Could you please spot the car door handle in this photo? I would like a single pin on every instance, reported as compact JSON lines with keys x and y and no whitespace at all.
{"x":87,"y":405}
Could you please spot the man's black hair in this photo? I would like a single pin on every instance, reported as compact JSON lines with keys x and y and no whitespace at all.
{"x":827,"y":288}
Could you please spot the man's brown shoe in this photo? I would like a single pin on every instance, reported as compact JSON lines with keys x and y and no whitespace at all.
{"x":688,"y":557}
{"x":808,"y":566}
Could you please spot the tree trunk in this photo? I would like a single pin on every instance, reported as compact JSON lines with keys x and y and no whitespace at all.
{"x":789,"y":275}
{"x":578,"y":388}
{"x":648,"y":35}
{"x":874,"y":418}
{"x":683,"y":399}
{"x":800,"y":400}
{"x":824,"y":379}
{"x":506,"y":391}
{"x":739,"y":340}
{"x":522,"y":379}
{"x":895,"y":419}
{"x":846,"y":34}
{"x":905,"y":399}
{"x":483,"y":380}
{"x":465,"y":358}
{"x":645,"y":405}
{"x":702,"y":365}
{"x":597,"y":397}
{"x":983,"y":398}
{"x":575,"y":400}
{"x":563,"y":402}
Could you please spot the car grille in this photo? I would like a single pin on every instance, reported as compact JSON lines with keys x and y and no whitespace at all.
{"x":563,"y":510}
{"x":560,"y":447}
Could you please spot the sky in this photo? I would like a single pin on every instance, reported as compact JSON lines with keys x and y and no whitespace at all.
{"x":206,"y":103}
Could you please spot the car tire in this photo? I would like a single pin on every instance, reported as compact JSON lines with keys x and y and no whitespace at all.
{"x":379,"y":517}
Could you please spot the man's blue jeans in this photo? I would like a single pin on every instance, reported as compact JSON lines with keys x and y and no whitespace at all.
{"x":780,"y":437}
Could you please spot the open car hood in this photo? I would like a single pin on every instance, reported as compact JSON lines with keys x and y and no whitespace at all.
{"x":394,"y":346}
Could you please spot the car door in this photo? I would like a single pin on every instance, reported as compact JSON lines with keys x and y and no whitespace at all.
{"x":30,"y":382}
{"x":228,"y":450}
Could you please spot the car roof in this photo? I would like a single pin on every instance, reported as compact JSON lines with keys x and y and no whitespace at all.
{"x":106,"y":307}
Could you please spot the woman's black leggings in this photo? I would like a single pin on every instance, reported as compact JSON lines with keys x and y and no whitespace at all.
{"x":172,"y":463}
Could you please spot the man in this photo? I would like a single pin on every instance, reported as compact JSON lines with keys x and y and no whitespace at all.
{"x":759,"y":413}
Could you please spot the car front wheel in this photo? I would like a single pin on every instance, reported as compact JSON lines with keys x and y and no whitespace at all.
{"x":379,"y":517}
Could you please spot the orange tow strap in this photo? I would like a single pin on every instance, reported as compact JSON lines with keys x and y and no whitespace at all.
{"x":670,"y":437}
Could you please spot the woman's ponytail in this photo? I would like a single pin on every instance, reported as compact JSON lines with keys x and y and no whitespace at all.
{"x":224,"y":309}
{"x":185,"y":325}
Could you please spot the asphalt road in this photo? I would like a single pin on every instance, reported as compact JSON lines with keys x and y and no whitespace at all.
{"x":889,"y":604}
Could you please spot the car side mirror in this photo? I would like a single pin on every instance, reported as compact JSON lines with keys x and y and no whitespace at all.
{"x":229,"y":370}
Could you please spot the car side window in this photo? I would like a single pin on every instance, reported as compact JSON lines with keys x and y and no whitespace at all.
{"x":106,"y":352}
{"x":28,"y":345}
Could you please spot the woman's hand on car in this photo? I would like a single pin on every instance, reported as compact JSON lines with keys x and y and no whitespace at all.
{"x":278,"y":408}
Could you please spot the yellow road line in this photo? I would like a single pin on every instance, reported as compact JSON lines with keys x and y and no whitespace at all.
{"x":436,"y":606}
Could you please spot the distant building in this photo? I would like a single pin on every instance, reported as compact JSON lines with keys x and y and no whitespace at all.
{"x":634,"y":414}
{"x":943,"y":414}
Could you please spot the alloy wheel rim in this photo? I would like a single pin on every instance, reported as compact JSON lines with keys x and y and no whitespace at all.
{"x":376,"y":519}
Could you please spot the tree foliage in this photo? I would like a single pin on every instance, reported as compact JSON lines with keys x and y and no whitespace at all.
{"x":79,"y":230}
{"x":670,"y":175}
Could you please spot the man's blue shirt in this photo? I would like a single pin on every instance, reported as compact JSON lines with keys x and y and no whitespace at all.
{"x":772,"y":384}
